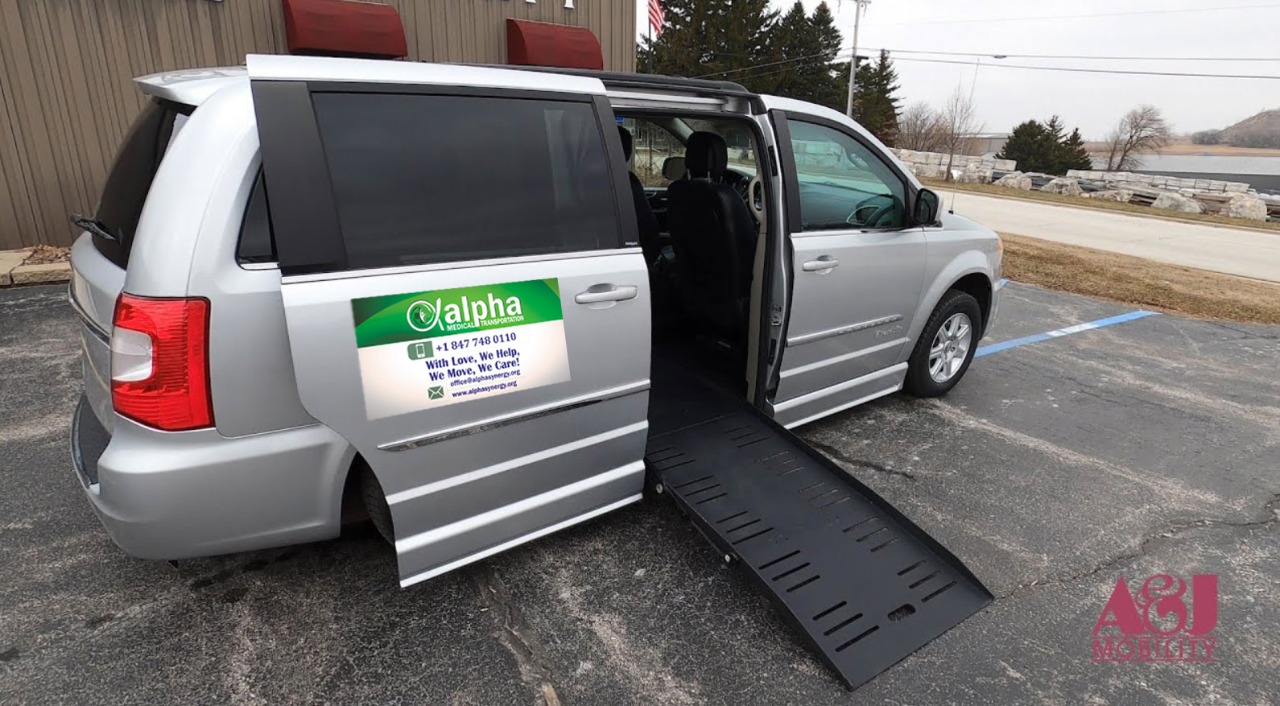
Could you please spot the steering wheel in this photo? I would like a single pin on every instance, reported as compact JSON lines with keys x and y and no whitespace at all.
{"x":755,"y":198}
{"x":737,"y":181}
{"x":869,"y":212}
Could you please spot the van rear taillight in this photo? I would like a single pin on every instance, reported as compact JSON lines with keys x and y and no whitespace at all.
{"x":160,"y":362}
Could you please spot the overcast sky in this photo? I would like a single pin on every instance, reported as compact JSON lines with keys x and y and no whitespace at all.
{"x":1007,"y":96}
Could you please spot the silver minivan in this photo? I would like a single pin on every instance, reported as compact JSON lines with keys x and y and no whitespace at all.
{"x":461,"y":299}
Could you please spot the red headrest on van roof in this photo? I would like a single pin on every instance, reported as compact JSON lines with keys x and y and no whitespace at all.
{"x":344,"y":28}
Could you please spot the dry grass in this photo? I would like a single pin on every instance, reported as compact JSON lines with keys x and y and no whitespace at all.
{"x":992,"y":190}
{"x":1145,"y":283}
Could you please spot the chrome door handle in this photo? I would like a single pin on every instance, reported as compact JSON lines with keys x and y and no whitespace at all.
{"x":613,"y":294}
{"x":822,"y":264}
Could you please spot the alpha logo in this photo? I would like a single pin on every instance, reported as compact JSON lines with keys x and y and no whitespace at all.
{"x":463,"y":314}
{"x":1156,"y":624}
{"x":423,"y":316}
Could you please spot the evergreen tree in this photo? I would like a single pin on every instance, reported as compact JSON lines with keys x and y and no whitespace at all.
{"x":875,"y":105}
{"x":716,"y":38}
{"x":1042,"y":147}
{"x":1028,"y":146}
{"x":1072,"y":154}
{"x":803,"y":53}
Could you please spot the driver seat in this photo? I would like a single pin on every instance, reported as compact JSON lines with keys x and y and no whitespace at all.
{"x":713,"y":237}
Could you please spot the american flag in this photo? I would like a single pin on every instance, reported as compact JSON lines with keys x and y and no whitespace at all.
{"x":655,"y":17}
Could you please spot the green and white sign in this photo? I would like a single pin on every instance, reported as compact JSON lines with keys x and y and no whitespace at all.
{"x":431,"y":349}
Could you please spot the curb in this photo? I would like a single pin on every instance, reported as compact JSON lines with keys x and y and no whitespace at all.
{"x":13,"y":273}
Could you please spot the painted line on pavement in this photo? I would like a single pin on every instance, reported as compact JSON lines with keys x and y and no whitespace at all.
{"x":1058,"y":333}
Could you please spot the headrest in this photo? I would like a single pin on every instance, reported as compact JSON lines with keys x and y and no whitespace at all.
{"x":625,"y":135}
{"x":673,"y":168}
{"x":706,"y":155}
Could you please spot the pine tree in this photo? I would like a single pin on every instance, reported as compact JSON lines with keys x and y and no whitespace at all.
{"x":828,"y":89}
{"x":1042,"y":147}
{"x":1073,"y":154}
{"x":1029,"y":145}
{"x":715,"y":38}
{"x":804,"y":51}
{"x":875,"y":105}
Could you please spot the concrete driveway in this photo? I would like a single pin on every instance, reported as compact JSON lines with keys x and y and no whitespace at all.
{"x":1234,"y":251}
{"x":1057,"y":466}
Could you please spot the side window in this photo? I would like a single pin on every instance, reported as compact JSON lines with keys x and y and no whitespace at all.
{"x":421,"y":178}
{"x":257,"y":242}
{"x":843,"y":184}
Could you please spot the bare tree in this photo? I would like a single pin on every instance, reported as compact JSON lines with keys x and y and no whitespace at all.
{"x":921,"y":128}
{"x":960,"y":125}
{"x":1140,"y":131}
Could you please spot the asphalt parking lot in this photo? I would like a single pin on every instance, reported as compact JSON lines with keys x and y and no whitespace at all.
{"x":1147,"y":447}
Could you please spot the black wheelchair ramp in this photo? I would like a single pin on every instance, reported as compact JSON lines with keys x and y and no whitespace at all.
{"x":862,"y":583}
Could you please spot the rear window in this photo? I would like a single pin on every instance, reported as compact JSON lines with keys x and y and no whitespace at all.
{"x":421,"y":179}
{"x":131,"y":175}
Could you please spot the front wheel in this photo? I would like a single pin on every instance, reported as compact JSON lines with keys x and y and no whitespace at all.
{"x":946,"y":346}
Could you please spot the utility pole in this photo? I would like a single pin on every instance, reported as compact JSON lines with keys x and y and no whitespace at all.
{"x":858,"y":7}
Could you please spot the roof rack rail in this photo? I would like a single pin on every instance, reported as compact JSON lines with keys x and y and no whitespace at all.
{"x":630,"y":80}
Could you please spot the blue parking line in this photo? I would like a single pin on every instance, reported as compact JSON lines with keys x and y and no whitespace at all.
{"x":1057,"y":333}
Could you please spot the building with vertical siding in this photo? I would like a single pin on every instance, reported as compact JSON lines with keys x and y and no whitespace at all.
{"x":66,"y":70}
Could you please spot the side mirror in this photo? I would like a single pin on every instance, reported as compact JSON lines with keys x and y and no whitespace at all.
{"x":928,"y":204}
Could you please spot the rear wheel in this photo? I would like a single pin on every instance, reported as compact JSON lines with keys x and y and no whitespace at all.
{"x":375,"y":501}
{"x":946,"y":346}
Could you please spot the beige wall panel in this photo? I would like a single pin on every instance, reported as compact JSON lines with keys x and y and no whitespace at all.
{"x":66,"y":70}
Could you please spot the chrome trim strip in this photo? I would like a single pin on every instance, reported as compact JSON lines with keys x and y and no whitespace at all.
{"x":846,"y":405}
{"x":842,"y":330}
{"x":431,"y":573}
{"x":515,"y":417}
{"x":825,"y":362}
{"x":520,"y":462}
{"x":89,"y":323}
{"x":466,"y":264}
{"x":839,"y":387}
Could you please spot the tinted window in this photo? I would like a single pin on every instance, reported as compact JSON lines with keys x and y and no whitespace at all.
{"x":444,"y":178}
{"x":843,"y":184}
{"x":257,"y":242}
{"x":129,"y":180}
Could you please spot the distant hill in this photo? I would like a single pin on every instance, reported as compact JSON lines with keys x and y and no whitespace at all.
{"x":1261,"y":130}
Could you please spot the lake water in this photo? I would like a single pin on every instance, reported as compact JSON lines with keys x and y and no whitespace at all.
{"x":1263,"y":173}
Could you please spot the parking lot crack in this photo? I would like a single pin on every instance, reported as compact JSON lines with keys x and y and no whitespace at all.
{"x":1269,"y":517}
{"x":516,"y":635}
{"x":847,"y":460}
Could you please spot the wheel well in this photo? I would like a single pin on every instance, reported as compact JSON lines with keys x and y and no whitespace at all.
{"x":977,"y":286}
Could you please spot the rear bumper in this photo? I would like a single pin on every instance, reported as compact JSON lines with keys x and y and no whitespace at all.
{"x":165,"y":495}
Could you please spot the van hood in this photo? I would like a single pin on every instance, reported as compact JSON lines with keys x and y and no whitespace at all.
{"x":951,"y":221}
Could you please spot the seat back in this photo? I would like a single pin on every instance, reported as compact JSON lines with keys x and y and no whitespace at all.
{"x":646,"y":222}
{"x":713,"y":236}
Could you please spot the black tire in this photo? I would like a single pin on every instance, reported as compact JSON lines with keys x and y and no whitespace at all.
{"x":919,"y":382}
{"x":375,"y":501}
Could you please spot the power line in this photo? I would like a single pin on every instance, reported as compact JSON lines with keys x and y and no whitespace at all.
{"x":1078,"y":17}
{"x":1081,"y":57}
{"x":994,"y":55}
{"x":1072,"y":69}
{"x":846,"y":54}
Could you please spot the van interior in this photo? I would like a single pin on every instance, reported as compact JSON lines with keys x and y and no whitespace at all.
{"x":700,"y":212}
